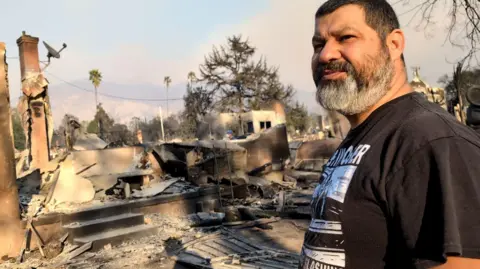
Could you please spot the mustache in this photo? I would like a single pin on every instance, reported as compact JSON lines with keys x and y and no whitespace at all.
{"x":337,"y":66}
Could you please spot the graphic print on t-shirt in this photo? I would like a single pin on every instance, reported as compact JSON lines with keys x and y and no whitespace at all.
{"x":323,"y":247}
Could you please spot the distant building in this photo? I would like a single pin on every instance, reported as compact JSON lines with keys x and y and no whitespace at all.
{"x":253,"y":121}
{"x":435,"y":95}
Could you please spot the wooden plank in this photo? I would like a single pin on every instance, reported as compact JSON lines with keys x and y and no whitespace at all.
{"x":266,"y":264}
{"x":226,"y":244}
{"x":213,"y":253}
{"x":253,"y":223}
{"x":24,"y":247}
{"x":218,"y":251}
{"x":77,"y":252}
{"x":241,"y":244}
{"x":63,"y":238}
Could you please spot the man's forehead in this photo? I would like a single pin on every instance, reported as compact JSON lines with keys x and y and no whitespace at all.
{"x":348,"y":17}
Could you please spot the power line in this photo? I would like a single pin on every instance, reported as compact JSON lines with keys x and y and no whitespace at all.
{"x":109,"y":95}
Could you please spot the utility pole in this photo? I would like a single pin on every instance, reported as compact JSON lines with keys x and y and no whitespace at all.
{"x":10,"y":234}
{"x":167,"y":80}
{"x":161,"y":122}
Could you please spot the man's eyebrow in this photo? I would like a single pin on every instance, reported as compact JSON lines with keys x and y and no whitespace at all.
{"x":345,"y":29}
{"x":317,"y":38}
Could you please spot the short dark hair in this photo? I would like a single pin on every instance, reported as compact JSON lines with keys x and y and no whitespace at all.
{"x":379,"y":14}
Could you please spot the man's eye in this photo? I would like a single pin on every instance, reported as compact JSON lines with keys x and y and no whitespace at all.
{"x":318,"y":47}
{"x":346,"y":37}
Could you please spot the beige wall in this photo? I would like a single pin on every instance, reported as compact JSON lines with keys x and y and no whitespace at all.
{"x":255,"y":116}
{"x":258,"y":116}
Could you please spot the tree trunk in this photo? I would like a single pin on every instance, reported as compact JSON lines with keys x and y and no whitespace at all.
{"x":10,"y":232}
{"x":167,"y":104}
{"x":96,"y":99}
{"x":240,"y":120}
{"x":457,"y":77}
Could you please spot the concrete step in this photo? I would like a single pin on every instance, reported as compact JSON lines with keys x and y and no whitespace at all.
{"x":96,"y":213}
{"x":84,"y":228}
{"x":173,"y":204}
{"x":117,"y":236}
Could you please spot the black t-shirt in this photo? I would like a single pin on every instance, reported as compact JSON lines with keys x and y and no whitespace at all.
{"x":401,"y":191}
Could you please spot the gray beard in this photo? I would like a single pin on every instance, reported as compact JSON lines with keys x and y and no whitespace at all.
{"x":348,"y":97}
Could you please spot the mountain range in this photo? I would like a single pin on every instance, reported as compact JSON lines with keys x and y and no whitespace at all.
{"x":78,"y":98}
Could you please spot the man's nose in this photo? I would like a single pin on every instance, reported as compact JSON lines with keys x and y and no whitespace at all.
{"x":329,"y":53}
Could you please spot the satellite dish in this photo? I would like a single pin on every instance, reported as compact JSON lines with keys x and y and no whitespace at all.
{"x":52,"y":52}
{"x":473,"y":95}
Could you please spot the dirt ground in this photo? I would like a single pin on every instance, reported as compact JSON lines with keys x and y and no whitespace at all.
{"x":152,"y":252}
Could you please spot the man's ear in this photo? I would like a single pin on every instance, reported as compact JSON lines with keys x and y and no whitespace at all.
{"x":396,"y":44}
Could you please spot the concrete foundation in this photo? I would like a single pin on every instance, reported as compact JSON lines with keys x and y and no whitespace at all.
{"x":51,"y":226}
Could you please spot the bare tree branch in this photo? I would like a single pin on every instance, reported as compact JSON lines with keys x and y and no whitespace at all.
{"x":463,"y":26}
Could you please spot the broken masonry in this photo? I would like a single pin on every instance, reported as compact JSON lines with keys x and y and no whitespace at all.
{"x":10,"y":234}
{"x":34,"y":104}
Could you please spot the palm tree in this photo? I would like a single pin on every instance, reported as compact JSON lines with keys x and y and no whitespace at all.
{"x":95,"y":76}
{"x":167,"y":80}
{"x":191,"y":77}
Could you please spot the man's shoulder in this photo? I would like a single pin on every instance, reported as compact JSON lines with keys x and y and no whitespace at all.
{"x":427,"y":122}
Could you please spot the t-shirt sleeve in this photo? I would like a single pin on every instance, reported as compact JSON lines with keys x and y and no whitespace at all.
{"x":434,"y":202}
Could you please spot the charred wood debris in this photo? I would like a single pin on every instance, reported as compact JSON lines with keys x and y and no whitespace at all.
{"x":259,"y":181}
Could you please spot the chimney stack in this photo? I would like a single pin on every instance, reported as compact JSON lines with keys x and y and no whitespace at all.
{"x":28,"y":49}
{"x":34,"y":92}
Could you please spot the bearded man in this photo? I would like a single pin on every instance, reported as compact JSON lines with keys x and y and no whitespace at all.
{"x":403,"y":188}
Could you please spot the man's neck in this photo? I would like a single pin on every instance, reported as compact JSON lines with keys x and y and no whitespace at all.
{"x":398,"y":89}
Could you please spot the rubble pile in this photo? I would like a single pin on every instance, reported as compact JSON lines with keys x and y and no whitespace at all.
{"x":225,"y":249}
{"x":259,"y":167}
{"x":261,"y":180}
{"x":173,"y":247}
{"x":80,"y":179}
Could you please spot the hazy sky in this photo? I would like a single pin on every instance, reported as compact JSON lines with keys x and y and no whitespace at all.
{"x":141,"y":41}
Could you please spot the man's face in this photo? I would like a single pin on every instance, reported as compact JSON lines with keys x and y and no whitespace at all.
{"x":351,"y":66}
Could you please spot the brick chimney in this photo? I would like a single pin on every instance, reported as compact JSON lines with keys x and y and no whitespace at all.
{"x":28,"y":49}
{"x":31,"y":88}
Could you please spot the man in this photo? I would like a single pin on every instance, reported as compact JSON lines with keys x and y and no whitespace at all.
{"x":403,"y":188}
